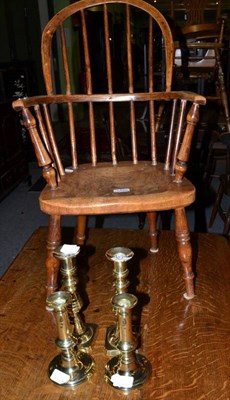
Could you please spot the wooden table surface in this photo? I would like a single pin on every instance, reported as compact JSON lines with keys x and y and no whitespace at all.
{"x":187,"y":342}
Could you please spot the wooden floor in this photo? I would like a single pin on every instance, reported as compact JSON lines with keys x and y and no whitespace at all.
{"x":187,"y":343}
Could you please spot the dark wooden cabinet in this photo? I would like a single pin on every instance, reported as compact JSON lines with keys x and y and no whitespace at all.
{"x":15,"y":79}
{"x":20,"y":75}
{"x":13,"y":162}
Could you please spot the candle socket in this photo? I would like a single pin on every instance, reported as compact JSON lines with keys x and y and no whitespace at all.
{"x":128,"y":370}
{"x":119,"y":256}
{"x":71,"y":367}
{"x":83,"y":332}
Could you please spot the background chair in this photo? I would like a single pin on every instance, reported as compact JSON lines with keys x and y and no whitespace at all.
{"x":223,"y":192}
{"x":198,"y":61}
{"x":199,"y":46}
{"x":190,"y":12}
{"x":139,"y":184}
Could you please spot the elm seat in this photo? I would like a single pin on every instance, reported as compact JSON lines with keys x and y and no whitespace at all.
{"x":139,"y":181}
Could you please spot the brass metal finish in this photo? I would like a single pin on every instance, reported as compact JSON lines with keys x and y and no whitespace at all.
{"x":71,"y":367}
{"x":81,"y":331}
{"x":119,"y":256}
{"x":127,"y":370}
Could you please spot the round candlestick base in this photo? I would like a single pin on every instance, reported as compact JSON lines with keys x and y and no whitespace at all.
{"x":127,"y":380}
{"x":70,"y":376}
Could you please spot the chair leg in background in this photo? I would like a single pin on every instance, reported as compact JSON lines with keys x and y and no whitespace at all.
{"x":217,"y":203}
{"x":81,"y":228}
{"x":141,"y":217}
{"x":52,"y":263}
{"x":227,"y":223}
{"x":184,"y":250}
{"x":153,"y":231}
{"x":223,"y":94}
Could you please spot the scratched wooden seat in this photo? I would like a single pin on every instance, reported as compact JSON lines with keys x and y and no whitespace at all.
{"x":112,"y":187}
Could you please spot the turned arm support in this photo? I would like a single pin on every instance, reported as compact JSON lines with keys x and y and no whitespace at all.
{"x":43,"y":158}
{"x":183,"y":155}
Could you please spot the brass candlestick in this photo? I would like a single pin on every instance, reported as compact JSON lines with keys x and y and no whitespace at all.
{"x":128,"y":370}
{"x":71,"y":367}
{"x":83,"y":332}
{"x":119,"y":256}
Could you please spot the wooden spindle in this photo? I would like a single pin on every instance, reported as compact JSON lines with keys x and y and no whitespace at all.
{"x":130,"y":84}
{"x":152,"y":122}
{"x":178,"y":133}
{"x":92,"y":135}
{"x":170,"y":139}
{"x":150,"y":56}
{"x":129,"y":49}
{"x":72,"y":133}
{"x":69,"y":91}
{"x":42,"y":129}
{"x":152,"y":128}
{"x":43,"y":158}
{"x":53,"y":142}
{"x":183,"y":155}
{"x":89,"y":90}
{"x":86,"y":54}
{"x":107,"y":49}
{"x":65,"y":61}
{"x":110,"y":87}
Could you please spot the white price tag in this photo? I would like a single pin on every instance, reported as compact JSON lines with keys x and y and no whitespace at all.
{"x":121,"y":190}
{"x":70,"y":249}
{"x":122,"y":381}
{"x":120,"y":257}
{"x":59,"y":377}
{"x":69,"y":170}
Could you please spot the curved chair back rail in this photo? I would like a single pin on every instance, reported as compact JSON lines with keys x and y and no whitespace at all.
{"x":129,"y":10}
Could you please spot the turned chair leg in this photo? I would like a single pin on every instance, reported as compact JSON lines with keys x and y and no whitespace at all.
{"x":227,"y":223}
{"x":153,"y":232}
{"x":217,"y":203}
{"x":52,"y":263}
{"x":141,"y":217}
{"x":223,"y":95}
{"x":185,"y":251}
{"x":81,"y":228}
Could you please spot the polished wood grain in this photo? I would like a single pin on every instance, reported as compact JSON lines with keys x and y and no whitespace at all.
{"x":188,"y":344}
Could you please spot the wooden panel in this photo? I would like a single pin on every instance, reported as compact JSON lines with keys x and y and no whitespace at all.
{"x":187,"y":343}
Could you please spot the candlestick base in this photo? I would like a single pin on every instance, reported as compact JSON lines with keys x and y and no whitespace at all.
{"x":70,"y":376}
{"x":126,"y":380}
